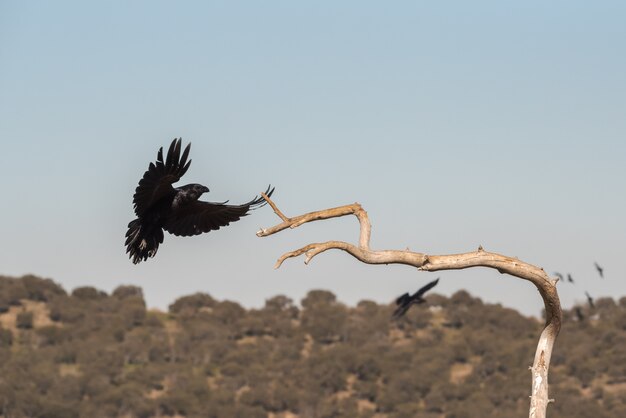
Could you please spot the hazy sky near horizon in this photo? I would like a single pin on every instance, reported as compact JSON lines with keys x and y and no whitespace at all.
{"x":453,"y":123}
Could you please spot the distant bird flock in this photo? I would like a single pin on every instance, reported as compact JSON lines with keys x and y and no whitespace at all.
{"x":570,"y":279}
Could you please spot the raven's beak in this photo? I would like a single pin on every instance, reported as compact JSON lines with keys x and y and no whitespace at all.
{"x":205,"y":189}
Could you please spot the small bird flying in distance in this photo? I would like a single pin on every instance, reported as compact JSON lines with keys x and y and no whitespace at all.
{"x":600,"y":270}
{"x":159,"y":206}
{"x":569,"y":278}
{"x":405,"y":301}
{"x":590,"y":300}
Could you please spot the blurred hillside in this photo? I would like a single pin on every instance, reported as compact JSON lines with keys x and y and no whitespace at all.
{"x":94,"y":355}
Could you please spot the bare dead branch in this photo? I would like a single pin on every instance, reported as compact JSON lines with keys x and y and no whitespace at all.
{"x":480,"y":258}
{"x":276,"y":210}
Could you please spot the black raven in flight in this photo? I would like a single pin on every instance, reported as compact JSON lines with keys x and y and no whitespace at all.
{"x":405,"y":301}
{"x":590,"y":300}
{"x":569,"y":278}
{"x":600,"y":270}
{"x":159,"y":206}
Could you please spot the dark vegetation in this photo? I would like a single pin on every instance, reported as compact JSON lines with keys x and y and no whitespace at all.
{"x":94,"y":355}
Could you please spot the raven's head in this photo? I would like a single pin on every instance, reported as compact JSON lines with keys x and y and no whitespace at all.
{"x":194,"y":190}
{"x":201,"y":189}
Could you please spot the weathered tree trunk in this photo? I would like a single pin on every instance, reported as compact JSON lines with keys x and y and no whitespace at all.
{"x":480,"y":258}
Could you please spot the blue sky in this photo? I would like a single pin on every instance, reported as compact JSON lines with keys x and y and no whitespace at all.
{"x":453,"y":123}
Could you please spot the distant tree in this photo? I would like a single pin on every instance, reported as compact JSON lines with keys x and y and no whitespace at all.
{"x":322,"y":317}
{"x":55,"y":408}
{"x":41,"y":289}
{"x":6,"y":337}
{"x":11,"y":292}
{"x":279,"y":303}
{"x":284,"y":397}
{"x":24,"y":320}
{"x":125,"y":292}
{"x":63,"y":309}
{"x":88,"y":293}
{"x":323,"y":374}
{"x":258,"y":395}
{"x":133,"y":313}
{"x":192,"y":303}
{"x":228,"y":313}
{"x":366,"y":390}
{"x":52,"y":335}
{"x":316,"y":298}
{"x":66,"y":353}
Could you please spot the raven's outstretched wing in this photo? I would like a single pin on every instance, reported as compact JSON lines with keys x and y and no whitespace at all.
{"x":199,"y":217}
{"x":157,"y":181}
{"x":426,"y":288}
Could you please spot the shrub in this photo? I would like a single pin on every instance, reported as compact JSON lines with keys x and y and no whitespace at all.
{"x":24,"y":320}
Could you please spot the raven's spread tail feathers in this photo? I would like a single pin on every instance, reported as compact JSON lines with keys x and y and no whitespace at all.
{"x":142,"y":241}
